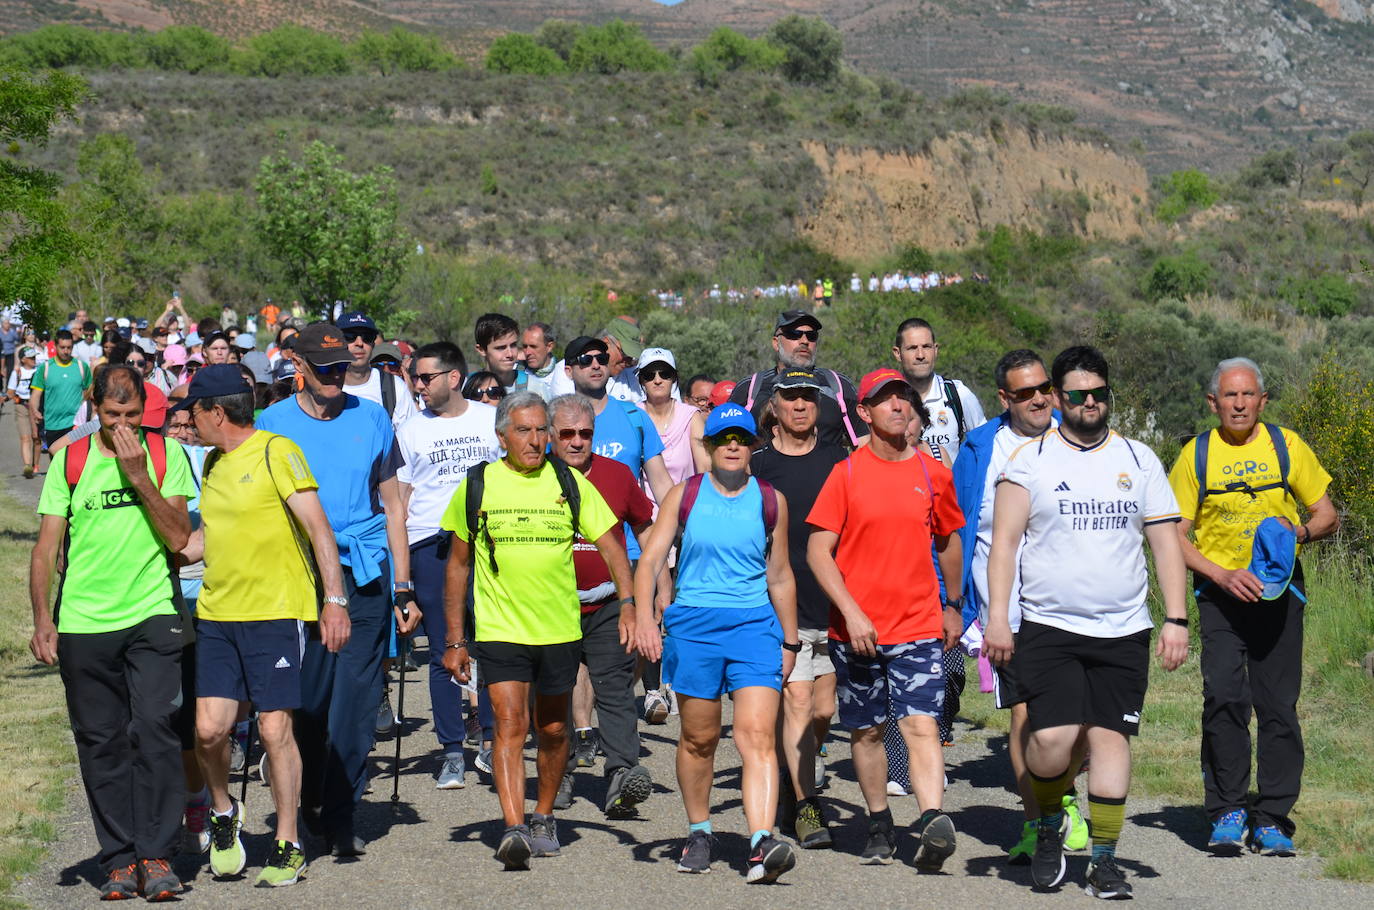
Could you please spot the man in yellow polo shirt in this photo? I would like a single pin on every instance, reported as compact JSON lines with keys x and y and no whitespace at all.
{"x":259,"y":592}
{"x":1227,"y":482}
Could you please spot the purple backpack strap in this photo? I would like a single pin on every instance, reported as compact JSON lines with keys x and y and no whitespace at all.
{"x":689,"y":499}
{"x":770,"y":506}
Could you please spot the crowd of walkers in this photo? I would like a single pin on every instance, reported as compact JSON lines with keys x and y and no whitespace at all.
{"x":226,"y":538}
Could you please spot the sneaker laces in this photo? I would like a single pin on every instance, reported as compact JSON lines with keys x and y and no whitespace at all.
{"x":1105,"y":869}
{"x":281,"y":852}
{"x":222,"y":831}
{"x":124,"y":874}
{"x":157,"y":867}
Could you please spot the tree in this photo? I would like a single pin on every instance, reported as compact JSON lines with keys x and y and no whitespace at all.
{"x":812,"y":47}
{"x":726,"y":50}
{"x":290,"y":50}
{"x":615,"y":47}
{"x":1184,"y":191}
{"x":559,"y":36}
{"x":402,"y":51}
{"x":35,"y":242}
{"x":517,"y":53}
{"x":187,"y":48}
{"x":334,"y":232}
{"x":1359,"y":162}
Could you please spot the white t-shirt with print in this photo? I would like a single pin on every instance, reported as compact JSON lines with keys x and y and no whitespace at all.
{"x":438,"y":452}
{"x":943,"y":431}
{"x":372,"y":391}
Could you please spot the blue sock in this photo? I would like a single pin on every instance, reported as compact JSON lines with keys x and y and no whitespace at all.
{"x":758,"y":836}
{"x":1101,"y":850}
{"x":699,"y":826}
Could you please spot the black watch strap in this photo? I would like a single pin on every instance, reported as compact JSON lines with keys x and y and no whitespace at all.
{"x":793,"y":646}
{"x":1176,"y":621}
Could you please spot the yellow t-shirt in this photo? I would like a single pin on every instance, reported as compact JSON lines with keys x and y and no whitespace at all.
{"x":1224,"y":526}
{"x":256,"y":562}
{"x":533,"y":601}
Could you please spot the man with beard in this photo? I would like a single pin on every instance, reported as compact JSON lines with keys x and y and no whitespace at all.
{"x":796,"y":339}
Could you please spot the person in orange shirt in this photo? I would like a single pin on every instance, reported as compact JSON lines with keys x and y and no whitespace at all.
{"x":269,"y":315}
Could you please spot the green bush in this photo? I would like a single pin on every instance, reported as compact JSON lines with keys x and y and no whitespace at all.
{"x":188,"y":49}
{"x":559,"y":36}
{"x":1328,"y":295}
{"x":1334,"y":413}
{"x":401,"y":51}
{"x":1177,"y":277}
{"x":58,"y":46}
{"x":290,"y":50}
{"x":726,"y":50}
{"x":616,"y":47}
{"x":517,"y":53}
{"x":813,"y":49}
{"x":1183,"y":192}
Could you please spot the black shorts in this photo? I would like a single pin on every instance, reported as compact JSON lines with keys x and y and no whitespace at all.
{"x":1006,"y":685}
{"x":51,"y":436}
{"x":1068,"y":679}
{"x":551,"y":668}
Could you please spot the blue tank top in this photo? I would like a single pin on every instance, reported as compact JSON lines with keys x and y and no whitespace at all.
{"x":721,"y":563}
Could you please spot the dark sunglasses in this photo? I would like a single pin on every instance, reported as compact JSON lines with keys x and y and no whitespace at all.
{"x":137,"y":363}
{"x":427,"y":378}
{"x":739,"y":436}
{"x":795,"y":334}
{"x":352,"y":335}
{"x":582,"y":433}
{"x":495,"y":391}
{"x":333,"y":369}
{"x":794,"y":394}
{"x":653,"y":373}
{"x":1079,"y":397}
{"x":1030,"y":392}
{"x":586,"y":360}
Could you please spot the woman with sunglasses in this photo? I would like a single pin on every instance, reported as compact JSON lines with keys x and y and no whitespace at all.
{"x":484,"y":387}
{"x":679,"y":425}
{"x":732,"y":628}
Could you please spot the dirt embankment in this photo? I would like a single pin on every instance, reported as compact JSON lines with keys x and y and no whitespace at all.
{"x":875,"y":202}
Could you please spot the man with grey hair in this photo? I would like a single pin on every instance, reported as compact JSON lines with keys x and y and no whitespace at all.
{"x":1241,"y":489}
{"x":522,"y":515}
{"x":536,"y":344}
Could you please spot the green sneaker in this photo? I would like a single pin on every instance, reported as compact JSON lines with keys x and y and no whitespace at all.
{"x":226,"y":847}
{"x":1020,"y":855}
{"x":1076,"y":837}
{"x":284,"y":867}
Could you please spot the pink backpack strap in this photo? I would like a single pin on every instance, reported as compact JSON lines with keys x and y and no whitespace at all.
{"x":749,"y":395}
{"x":844,"y":409}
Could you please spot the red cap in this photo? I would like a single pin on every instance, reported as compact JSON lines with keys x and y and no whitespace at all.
{"x":154,"y":407}
{"x":879,"y":378}
{"x":721,"y":392}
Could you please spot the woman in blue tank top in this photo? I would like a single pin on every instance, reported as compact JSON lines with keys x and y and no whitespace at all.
{"x":731,"y":628}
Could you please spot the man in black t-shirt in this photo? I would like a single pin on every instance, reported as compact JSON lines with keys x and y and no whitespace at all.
{"x":797,"y":461}
{"x":796,"y":338}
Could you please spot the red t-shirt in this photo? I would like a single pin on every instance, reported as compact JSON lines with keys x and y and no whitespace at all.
{"x":882,"y":512}
{"x":621,"y":491}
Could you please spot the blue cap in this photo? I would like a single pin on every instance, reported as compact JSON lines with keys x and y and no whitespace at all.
{"x":356,"y":321}
{"x":730,"y":416}
{"x":193,"y":339}
{"x":1273,"y":556}
{"x":212,"y":382}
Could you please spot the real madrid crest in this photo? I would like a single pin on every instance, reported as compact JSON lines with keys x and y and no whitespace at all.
{"x":1123,"y":482}
{"x":944,"y":417}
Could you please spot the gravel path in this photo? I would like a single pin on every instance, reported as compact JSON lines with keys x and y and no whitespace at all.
{"x":434,"y":848}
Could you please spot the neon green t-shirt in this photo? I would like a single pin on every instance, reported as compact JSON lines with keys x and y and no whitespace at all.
{"x":256,"y":563}
{"x":62,"y":387}
{"x":533,"y":601}
{"x":117,"y":574}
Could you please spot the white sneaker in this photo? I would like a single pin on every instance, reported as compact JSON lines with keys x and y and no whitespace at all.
{"x":895,"y":789}
{"x":655,"y":707}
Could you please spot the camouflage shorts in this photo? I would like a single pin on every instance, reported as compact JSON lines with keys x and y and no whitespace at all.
{"x":900,"y":681}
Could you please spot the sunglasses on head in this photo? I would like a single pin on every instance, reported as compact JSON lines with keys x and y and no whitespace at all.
{"x":1030,"y":391}
{"x":583,"y":433}
{"x":1079,"y":397}
{"x":495,"y":391}
{"x":333,"y":369}
{"x":653,"y":373}
{"x":586,"y":360}
{"x":729,"y":436}
{"x":796,"y":334}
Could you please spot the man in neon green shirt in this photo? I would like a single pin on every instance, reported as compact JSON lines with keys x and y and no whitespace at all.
{"x":528,"y":624}
{"x":114,"y":621}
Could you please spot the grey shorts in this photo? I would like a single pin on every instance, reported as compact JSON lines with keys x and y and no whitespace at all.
{"x":813,"y":661}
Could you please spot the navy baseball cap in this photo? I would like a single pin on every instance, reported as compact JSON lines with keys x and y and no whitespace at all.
{"x":212,"y":382}
{"x":730,"y":416}
{"x":356,"y":322}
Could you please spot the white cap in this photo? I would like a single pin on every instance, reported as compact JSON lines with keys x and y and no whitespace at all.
{"x":122,"y":322}
{"x":656,"y":355}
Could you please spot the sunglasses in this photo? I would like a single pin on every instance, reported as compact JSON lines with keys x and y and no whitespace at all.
{"x":333,"y":369}
{"x":1030,"y":392}
{"x":653,"y":373}
{"x":427,"y":378}
{"x":137,"y":363}
{"x":739,"y":436}
{"x":586,"y":360}
{"x":582,"y":433}
{"x":795,"y":334}
{"x":794,"y":394}
{"x":495,"y":391}
{"x":353,"y":335}
{"x":1079,"y":397}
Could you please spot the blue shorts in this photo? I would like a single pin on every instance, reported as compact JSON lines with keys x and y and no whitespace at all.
{"x":258,"y":661}
{"x":708,"y":651}
{"x":901,"y":681}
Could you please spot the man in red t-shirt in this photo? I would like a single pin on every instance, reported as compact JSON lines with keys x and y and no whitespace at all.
{"x":606,"y":648}
{"x":874,"y":522}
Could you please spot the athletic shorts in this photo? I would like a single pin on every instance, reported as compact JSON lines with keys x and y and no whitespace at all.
{"x":708,"y":651}
{"x":257,"y":661}
{"x":51,"y":436}
{"x":1069,"y":679}
{"x":1006,"y":686}
{"x":813,"y":661}
{"x":901,"y":681}
{"x":551,"y":668}
{"x":24,"y":419}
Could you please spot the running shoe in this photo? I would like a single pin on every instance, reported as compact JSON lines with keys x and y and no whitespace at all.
{"x":1020,"y":855}
{"x":472,"y":730}
{"x":226,"y":846}
{"x":264,"y":770}
{"x":543,"y":835}
{"x":881,"y":846}
{"x":195,"y":834}
{"x":285,"y":866}
{"x":895,"y":789}
{"x":820,"y":772}
{"x":345,"y":843}
{"x":1270,"y":841}
{"x":1047,"y":863}
{"x":809,"y":824}
{"x":1106,"y":881}
{"x":936,"y":845}
{"x":672,"y":700}
{"x":157,"y":882}
{"x":584,"y":749}
{"x":28,"y":472}
{"x":1228,"y":834}
{"x":627,"y":788}
{"x":386,"y":717}
{"x":564,"y":798}
{"x":121,"y":885}
{"x":483,"y":761}
{"x":1076,"y":833}
{"x":696,"y":852}
{"x":452,"y":772}
{"x":769,"y":859}
{"x":515,"y":848}
{"x":237,"y":752}
{"x":655,"y":707}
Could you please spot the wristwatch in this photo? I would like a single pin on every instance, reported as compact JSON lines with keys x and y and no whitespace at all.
{"x":1174,"y":620}
{"x":793,"y":646}
{"x":460,"y":643}
{"x":955,"y":604}
{"x":399,"y":586}
{"x":341,"y":601}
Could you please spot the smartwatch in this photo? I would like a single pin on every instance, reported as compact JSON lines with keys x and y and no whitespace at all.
{"x":793,"y":646}
{"x":1174,"y":620}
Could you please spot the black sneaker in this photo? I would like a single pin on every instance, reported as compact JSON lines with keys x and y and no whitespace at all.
{"x":937,"y":844}
{"x":1106,"y":881}
{"x":543,"y":835}
{"x":769,"y":859}
{"x":157,"y":881}
{"x":515,"y":848}
{"x":584,"y":748}
{"x":696,"y":853}
{"x":564,"y":798}
{"x":1047,"y":862}
{"x":627,"y":788}
{"x":881,"y":846}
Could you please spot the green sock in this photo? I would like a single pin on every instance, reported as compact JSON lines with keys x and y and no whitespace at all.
{"x":1049,"y":793}
{"x":699,"y":826}
{"x":1108,"y":815}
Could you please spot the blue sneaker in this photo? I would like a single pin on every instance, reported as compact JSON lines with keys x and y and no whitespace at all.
{"x":1228,"y":833}
{"x":1270,"y":841}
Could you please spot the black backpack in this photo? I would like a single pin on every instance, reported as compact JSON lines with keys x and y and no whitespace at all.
{"x":477,"y":516}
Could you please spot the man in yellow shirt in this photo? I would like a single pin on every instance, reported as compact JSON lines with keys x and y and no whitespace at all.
{"x":1227,"y":482}
{"x":259,"y":593}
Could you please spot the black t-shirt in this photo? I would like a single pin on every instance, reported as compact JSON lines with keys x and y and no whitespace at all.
{"x":830,"y":422}
{"x":800,"y":478}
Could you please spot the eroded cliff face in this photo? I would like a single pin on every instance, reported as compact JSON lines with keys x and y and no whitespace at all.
{"x":875,"y":202}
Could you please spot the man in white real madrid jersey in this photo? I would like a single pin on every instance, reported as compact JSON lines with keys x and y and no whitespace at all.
{"x":1081,"y":497}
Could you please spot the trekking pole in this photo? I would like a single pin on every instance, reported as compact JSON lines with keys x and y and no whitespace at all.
{"x":404,"y":598}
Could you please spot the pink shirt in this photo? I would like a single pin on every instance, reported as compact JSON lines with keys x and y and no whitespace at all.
{"x":677,"y":442}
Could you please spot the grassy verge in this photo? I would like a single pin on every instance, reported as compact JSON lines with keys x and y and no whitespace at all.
{"x":1338,"y":780}
{"x":35,"y":739}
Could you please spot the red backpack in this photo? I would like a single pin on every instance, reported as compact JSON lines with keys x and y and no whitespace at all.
{"x":79,"y":451}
